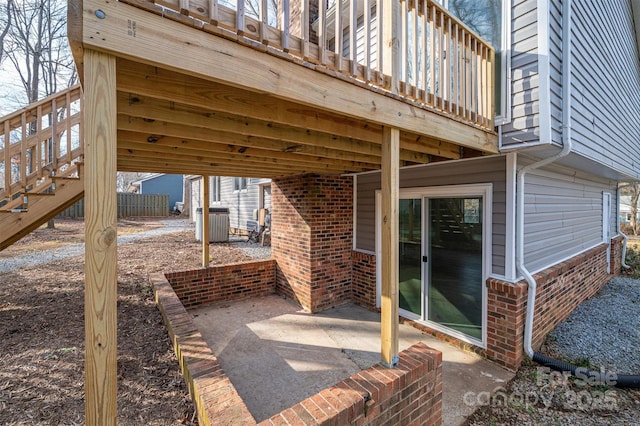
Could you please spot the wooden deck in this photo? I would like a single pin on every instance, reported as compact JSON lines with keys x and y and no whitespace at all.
{"x":194,"y":97}
{"x":194,"y":87}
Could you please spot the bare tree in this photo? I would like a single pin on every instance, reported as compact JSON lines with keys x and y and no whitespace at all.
{"x":482,"y":16}
{"x":36,"y":46}
{"x":124,"y":179}
{"x":5,"y":21}
{"x":633,"y":191}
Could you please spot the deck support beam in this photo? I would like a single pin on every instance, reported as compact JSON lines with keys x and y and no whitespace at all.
{"x":389,"y":252}
{"x":100,"y":238}
{"x":205,"y":220}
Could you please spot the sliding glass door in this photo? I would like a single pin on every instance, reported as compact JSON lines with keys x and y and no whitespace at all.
{"x":442,"y":258}
{"x":410,"y":255}
{"x":454,"y":267}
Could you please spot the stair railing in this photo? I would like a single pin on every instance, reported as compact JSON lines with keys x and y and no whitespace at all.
{"x":40,"y":142}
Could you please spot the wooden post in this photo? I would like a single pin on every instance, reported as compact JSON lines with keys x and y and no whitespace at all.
{"x":205,"y":221}
{"x":100,"y":238}
{"x":390,"y":238}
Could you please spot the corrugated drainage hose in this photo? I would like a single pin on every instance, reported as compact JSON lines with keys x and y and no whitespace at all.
{"x":600,"y":377}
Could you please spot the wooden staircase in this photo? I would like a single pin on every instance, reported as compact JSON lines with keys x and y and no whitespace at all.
{"x":41,"y":152}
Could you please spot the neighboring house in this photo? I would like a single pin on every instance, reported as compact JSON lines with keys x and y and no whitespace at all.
{"x":625,"y":210}
{"x":160,"y":183}
{"x":242,"y":196}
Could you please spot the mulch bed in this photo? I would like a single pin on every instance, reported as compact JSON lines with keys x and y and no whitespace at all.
{"x":42,"y":334}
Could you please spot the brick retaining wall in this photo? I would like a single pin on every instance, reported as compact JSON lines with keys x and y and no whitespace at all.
{"x":227,"y":282}
{"x":216,"y":400}
{"x":616,"y":254}
{"x":411,"y":393}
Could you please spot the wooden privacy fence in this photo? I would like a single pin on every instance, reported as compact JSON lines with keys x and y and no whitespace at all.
{"x":129,"y":205}
{"x":434,"y":60}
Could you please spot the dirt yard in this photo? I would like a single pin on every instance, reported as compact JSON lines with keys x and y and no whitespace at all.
{"x":42,"y":330}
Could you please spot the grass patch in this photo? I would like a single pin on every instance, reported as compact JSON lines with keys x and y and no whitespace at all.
{"x":633,"y":259}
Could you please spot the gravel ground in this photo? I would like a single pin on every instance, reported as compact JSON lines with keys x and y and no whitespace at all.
{"x":64,"y":252}
{"x":253,"y":250}
{"x":601,"y":332}
{"x":605,"y":330}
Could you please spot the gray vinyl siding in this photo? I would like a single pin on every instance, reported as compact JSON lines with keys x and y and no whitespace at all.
{"x":481,"y":170}
{"x":606,"y":84}
{"x":563,"y":215}
{"x":241,"y":204}
{"x":373,"y":45}
{"x":555,"y":65}
{"x":525,"y":82}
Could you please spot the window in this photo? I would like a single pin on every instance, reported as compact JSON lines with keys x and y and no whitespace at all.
{"x":215,"y":189}
{"x":240,"y":184}
{"x":489,"y":19}
{"x":472,"y":212}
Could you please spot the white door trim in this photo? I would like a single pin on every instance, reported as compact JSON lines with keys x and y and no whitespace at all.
{"x":485,"y":190}
{"x":606,"y":226}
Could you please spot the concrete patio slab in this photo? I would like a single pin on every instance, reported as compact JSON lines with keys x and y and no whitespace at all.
{"x":277,"y":355}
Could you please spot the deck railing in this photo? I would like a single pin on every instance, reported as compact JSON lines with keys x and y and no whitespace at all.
{"x":40,"y":141}
{"x":418,"y":51}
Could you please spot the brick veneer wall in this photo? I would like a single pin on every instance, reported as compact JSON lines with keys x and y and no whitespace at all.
{"x":363,"y":279}
{"x":616,"y":254}
{"x":560,"y":289}
{"x":411,"y":393}
{"x":506,"y":310}
{"x":214,"y":396}
{"x":311,"y":239}
{"x":227,"y":282}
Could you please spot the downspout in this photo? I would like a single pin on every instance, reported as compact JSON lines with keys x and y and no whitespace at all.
{"x":566,"y":149}
{"x":624,"y":236}
{"x":603,"y":377}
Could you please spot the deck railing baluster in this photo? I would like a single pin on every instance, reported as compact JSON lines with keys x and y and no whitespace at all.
{"x":39,"y":141}
{"x":322,"y":31}
{"x":305,"y":30}
{"x":404,"y":49}
{"x":240,"y":15}
{"x":353,"y":36}
{"x":213,"y":12}
{"x":32,"y":158}
{"x":68,"y":129}
{"x":285,"y":28}
{"x":379,"y":40}
{"x":264,"y":21}
{"x":6,"y":191}
{"x":337,"y":35}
